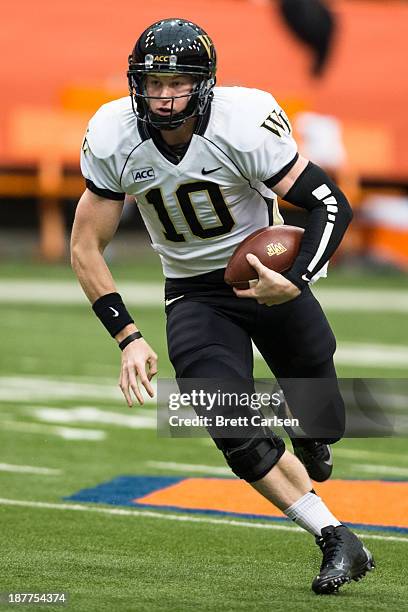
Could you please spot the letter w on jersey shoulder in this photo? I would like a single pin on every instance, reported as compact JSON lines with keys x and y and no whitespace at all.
{"x":278,"y":123}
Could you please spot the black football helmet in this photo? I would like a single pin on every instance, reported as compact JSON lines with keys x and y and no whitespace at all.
{"x":172,"y":46}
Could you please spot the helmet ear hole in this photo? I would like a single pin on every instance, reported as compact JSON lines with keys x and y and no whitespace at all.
{"x":185,"y":49}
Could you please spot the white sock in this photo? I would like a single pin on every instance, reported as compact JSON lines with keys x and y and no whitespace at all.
{"x":310,"y":513}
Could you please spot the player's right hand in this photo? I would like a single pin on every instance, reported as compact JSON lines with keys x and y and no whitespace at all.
{"x":139,"y":365}
{"x":271,"y":289}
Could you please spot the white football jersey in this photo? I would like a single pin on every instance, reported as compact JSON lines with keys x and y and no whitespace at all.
{"x":199,"y":210}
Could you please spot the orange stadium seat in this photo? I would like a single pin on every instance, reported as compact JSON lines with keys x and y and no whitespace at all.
{"x":48,"y":138}
{"x":88,"y":98}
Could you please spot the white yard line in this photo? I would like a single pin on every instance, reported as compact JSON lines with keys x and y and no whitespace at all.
{"x":177,"y":517}
{"x":67,"y":433}
{"x":151,"y":294}
{"x":366,"y":354}
{"x":352,"y":453}
{"x":40,"y":388}
{"x":189,"y":467}
{"x":91,"y":414}
{"x":28,"y":469}
{"x":69,"y":292}
{"x":46,"y":389}
{"x":372,"y":355}
{"x":224,"y":471}
{"x":381,"y":470}
{"x":364,"y":300}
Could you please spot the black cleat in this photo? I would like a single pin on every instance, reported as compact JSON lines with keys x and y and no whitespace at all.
{"x":316,"y":457}
{"x":344,"y":559}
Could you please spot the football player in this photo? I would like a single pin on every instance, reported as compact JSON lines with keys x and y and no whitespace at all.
{"x":205,"y":164}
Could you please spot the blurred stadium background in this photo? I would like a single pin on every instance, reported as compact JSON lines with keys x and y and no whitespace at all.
{"x":63,"y":425}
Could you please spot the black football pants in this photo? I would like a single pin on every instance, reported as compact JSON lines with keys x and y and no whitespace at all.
{"x":209,"y":333}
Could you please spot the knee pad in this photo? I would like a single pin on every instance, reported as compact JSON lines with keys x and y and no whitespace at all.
{"x":253,"y":459}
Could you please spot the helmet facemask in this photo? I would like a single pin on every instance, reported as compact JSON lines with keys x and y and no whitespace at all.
{"x":198,"y":99}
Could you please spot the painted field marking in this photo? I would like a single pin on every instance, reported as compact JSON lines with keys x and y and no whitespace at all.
{"x":28,"y":469}
{"x":367,"y":454}
{"x":190,"y":467}
{"x":152,"y":294}
{"x":41,"y":388}
{"x":367,"y":354}
{"x":372,"y":355}
{"x":211,"y":469}
{"x":353,"y":501}
{"x":91,"y":414}
{"x":363,"y":300}
{"x":67,"y":433}
{"x":69,"y":292}
{"x":177,"y":517}
{"x":380,"y":469}
{"x":46,"y":389}
{"x":348,"y":453}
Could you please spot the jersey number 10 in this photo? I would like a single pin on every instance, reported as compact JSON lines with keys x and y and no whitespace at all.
{"x":155,"y":197}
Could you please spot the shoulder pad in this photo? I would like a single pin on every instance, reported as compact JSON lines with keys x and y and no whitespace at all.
{"x":240,"y":112}
{"x":110,"y":126}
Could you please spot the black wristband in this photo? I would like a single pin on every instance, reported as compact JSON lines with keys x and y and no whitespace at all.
{"x":129,"y":339}
{"x":112,"y":312}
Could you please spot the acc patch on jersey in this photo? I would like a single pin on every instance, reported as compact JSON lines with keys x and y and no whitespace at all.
{"x":143,"y":174}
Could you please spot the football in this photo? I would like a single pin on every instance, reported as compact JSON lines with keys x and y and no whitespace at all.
{"x":276,"y":247}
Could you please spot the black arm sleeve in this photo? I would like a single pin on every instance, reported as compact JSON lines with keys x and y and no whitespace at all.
{"x":329,"y":215}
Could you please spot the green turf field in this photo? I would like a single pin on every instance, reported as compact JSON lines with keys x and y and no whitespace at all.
{"x":61,"y":410}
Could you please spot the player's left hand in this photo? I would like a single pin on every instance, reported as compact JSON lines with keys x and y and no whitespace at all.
{"x":272,"y":288}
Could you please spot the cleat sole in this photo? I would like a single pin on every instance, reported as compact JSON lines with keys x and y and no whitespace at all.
{"x":331,"y":587}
